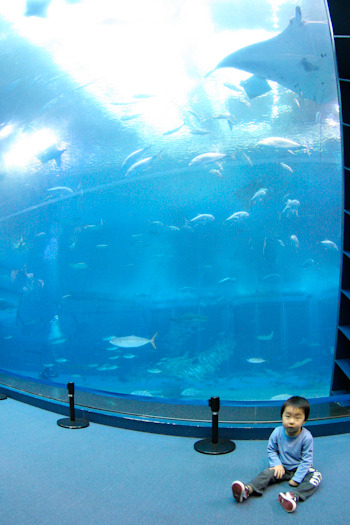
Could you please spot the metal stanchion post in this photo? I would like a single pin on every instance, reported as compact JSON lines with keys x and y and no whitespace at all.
{"x":216,"y":445}
{"x":71,"y":422}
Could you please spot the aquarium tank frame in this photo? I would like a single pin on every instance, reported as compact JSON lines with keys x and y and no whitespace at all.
{"x":241,"y":419}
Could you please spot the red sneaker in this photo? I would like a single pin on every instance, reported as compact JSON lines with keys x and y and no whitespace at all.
{"x":240,"y":491}
{"x":288,"y":501}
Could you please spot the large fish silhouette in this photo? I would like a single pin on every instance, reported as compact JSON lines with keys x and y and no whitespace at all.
{"x":300,"y":59}
{"x":37,"y":8}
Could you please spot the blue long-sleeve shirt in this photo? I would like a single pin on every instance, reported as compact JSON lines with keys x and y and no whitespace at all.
{"x":291,"y":452}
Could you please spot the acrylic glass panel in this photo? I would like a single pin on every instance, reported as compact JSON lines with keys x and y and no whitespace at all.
{"x":171,"y":199}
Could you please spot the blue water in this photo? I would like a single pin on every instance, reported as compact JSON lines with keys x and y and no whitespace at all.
{"x":243,"y":309}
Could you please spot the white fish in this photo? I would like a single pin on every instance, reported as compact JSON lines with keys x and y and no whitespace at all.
{"x":107,"y":367}
{"x":203,"y":218}
{"x":291,"y":207}
{"x":294,"y":241}
{"x":143,"y":95}
{"x":279,"y":142}
{"x":271,"y":277}
{"x":19,"y":244}
{"x":132,"y":341}
{"x":286,"y":167}
{"x":256,"y":360}
{"x":79,"y":266}
{"x":299,"y":58}
{"x":248,"y":159}
{"x":93,"y":227}
{"x":329,"y":245}
{"x":223,"y":116}
{"x":125,"y":118}
{"x":145,"y":393}
{"x":267,"y":337}
{"x":154,"y":371}
{"x":228,"y":280}
{"x":238,"y":216}
{"x":206,"y":158}
{"x":187,"y":289}
{"x":190,"y":392}
{"x":61,"y":189}
{"x":228,"y":117}
{"x":134,"y":156}
{"x":199,"y":131}
{"x":61,"y":360}
{"x":259,"y":194}
{"x":174,"y":130}
{"x":216,"y":172}
{"x":125,"y":103}
{"x":301,"y":363}
{"x":229,"y":85}
{"x":280,"y":397}
{"x":140,"y":165}
{"x":155,"y":226}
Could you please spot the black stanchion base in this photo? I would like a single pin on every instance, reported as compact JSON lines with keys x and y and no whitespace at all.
{"x":2,"y":396}
{"x":206,"y":446}
{"x":68,"y":423}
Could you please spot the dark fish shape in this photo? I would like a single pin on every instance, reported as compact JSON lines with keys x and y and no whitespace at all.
{"x":51,"y":153}
{"x":255,"y":86}
{"x":6,"y":305}
{"x":37,"y":8}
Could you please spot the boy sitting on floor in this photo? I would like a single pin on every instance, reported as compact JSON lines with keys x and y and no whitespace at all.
{"x":290,"y":453}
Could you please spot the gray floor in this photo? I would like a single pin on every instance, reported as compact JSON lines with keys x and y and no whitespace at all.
{"x":103,"y":475}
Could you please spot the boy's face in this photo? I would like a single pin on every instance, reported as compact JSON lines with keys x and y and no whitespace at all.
{"x":292,"y":420}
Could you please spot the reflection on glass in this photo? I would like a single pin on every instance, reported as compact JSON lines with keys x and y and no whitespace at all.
{"x":170,"y":216}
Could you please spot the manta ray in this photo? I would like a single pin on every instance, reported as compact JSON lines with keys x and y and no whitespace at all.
{"x":300,"y":59}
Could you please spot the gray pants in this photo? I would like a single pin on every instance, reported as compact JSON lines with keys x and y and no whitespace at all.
{"x":304,"y":490}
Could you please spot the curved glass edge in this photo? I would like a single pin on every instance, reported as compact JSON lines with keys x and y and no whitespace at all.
{"x":337,"y":78}
{"x":174,"y":410}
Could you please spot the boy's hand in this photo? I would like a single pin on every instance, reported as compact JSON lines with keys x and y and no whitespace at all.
{"x":293,"y":483}
{"x":279,"y":471}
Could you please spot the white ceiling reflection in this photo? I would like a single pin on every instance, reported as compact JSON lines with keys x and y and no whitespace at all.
{"x":125,"y":52}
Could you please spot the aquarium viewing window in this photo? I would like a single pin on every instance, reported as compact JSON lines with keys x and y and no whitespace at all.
{"x":171,"y":197}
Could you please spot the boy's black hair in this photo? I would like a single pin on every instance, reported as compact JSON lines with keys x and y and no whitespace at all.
{"x":297,"y":402}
